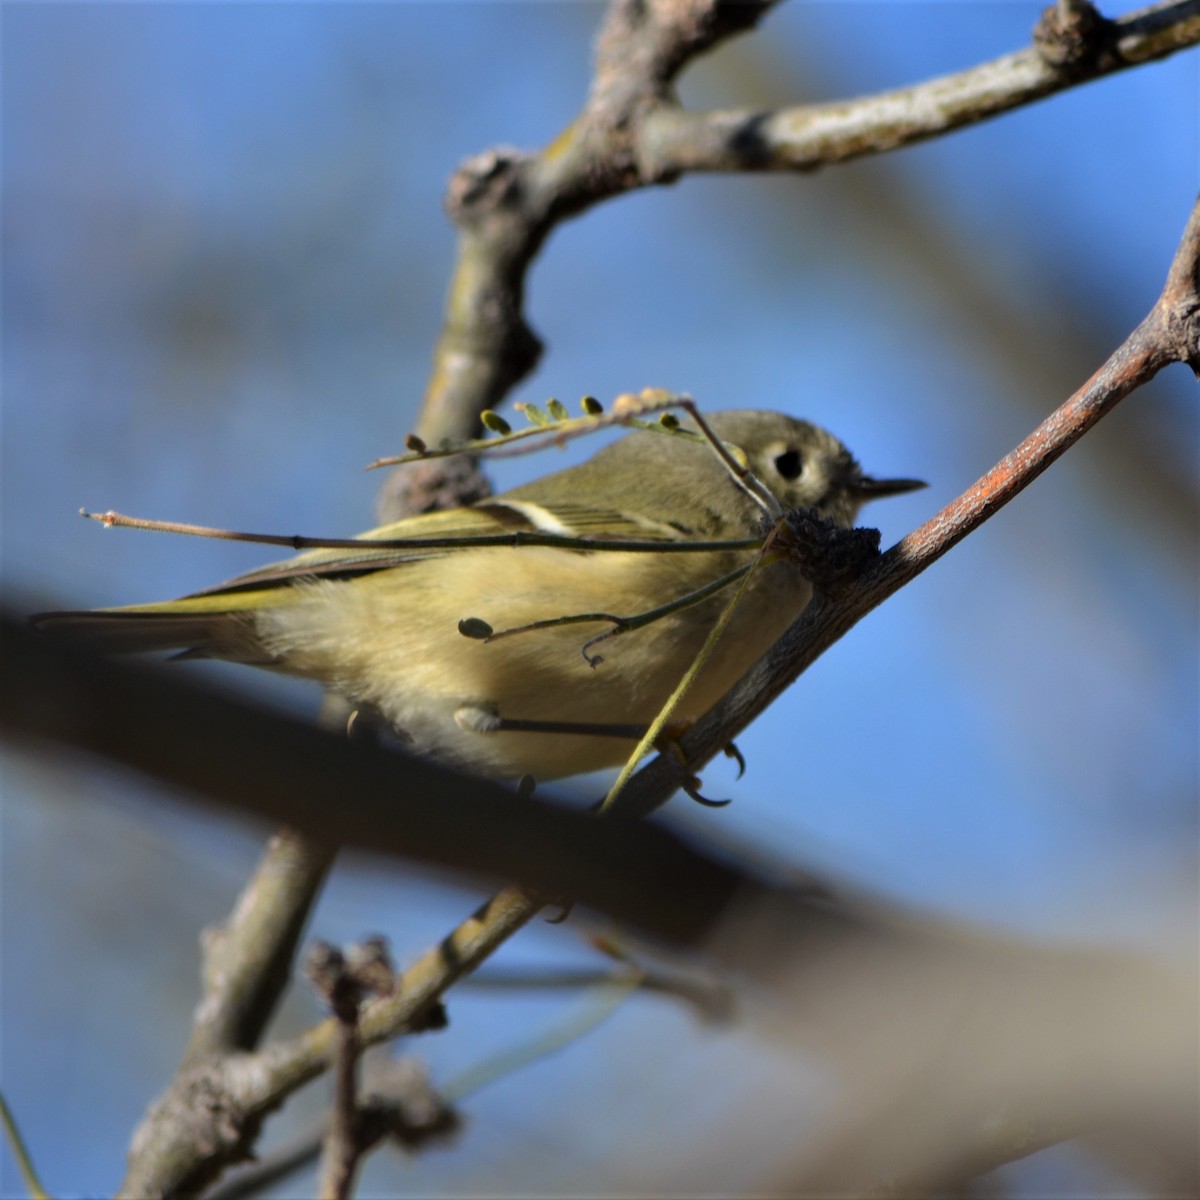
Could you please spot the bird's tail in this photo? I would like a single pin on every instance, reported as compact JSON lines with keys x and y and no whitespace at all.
{"x":214,"y":626}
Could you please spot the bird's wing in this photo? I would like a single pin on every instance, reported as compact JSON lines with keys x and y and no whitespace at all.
{"x":432,"y":535}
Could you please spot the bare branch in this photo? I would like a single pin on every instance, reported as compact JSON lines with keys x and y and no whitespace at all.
{"x":674,"y":141}
{"x":211,"y":1114}
{"x":633,"y":133}
{"x":346,"y":980}
{"x":398,"y":1097}
{"x":1170,"y":333}
{"x":505,"y":201}
{"x":1020,"y":999}
{"x":248,"y":960}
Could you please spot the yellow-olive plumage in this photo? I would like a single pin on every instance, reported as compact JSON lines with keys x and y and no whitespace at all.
{"x":380,"y":625}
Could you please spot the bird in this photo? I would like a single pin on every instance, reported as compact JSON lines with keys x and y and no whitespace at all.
{"x":530,"y":659}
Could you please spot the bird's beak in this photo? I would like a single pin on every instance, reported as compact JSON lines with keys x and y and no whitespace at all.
{"x":866,"y":488}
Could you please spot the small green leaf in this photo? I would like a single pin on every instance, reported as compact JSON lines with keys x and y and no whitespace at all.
{"x":558,"y":410}
{"x":415,"y":444}
{"x":495,"y":422}
{"x":534,"y":415}
{"x":591,"y":406}
{"x":475,"y":627}
{"x":669,"y":421}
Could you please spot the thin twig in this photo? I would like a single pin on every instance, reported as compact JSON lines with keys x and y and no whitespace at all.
{"x":345,"y":980}
{"x":711,"y":999}
{"x":511,"y":539}
{"x":20,"y":1152}
{"x":628,"y":409}
{"x":651,"y":737}
{"x":626,"y":624}
{"x":602,"y":1000}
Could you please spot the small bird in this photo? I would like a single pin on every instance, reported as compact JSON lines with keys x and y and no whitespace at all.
{"x":432,"y":640}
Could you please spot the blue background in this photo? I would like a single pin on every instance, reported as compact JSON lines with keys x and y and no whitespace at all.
{"x":224,"y":264}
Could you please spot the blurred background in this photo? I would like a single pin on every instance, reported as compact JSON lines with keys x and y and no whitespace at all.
{"x":224,"y":261}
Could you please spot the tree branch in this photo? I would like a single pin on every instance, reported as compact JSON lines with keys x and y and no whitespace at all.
{"x":1170,"y":333}
{"x":633,"y":133}
{"x":879,"y":993}
{"x":248,"y":960}
{"x":673,"y":140}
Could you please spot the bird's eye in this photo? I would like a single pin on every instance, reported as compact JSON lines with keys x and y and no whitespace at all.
{"x":789,"y":464}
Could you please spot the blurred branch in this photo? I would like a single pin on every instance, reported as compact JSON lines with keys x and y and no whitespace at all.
{"x":346,"y":980}
{"x":710,"y":998}
{"x":397,"y":1090}
{"x":601,"y":1002}
{"x":955,"y":1059}
{"x":962,"y":1026}
{"x":164,"y":724}
{"x":20,"y":1152}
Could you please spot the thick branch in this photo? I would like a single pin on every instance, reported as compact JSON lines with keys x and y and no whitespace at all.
{"x":248,"y":960}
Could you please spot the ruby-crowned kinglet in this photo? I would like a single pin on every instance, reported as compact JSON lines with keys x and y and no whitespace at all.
{"x":382,"y":626}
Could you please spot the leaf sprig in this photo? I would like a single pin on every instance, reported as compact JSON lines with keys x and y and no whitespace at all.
{"x":557,"y":427}
{"x":553,"y":427}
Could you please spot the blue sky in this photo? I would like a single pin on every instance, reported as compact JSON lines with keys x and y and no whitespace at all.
{"x":224,"y":264}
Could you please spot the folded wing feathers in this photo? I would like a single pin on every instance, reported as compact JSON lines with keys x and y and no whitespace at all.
{"x":219,"y":620}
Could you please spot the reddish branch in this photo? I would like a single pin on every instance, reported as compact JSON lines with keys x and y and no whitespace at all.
{"x":1169,"y":334}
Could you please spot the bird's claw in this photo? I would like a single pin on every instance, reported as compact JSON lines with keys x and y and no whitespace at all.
{"x":691,"y":787}
{"x":731,"y":751}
